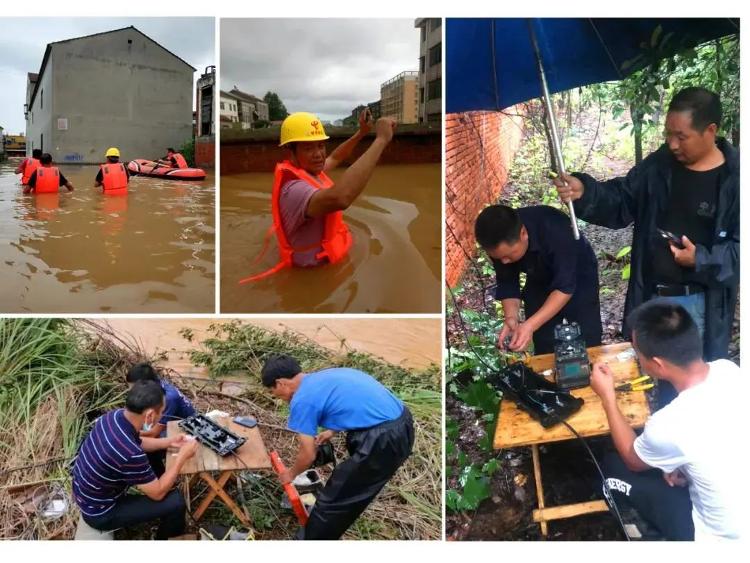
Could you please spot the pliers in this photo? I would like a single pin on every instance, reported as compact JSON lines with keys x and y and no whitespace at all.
{"x":642,"y":383}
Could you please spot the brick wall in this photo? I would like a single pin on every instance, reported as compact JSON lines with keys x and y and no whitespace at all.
{"x":479,"y":149}
{"x":205,"y":152}
{"x":261,"y":155}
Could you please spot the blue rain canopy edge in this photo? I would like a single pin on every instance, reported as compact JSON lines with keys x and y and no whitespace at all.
{"x":491,"y":63}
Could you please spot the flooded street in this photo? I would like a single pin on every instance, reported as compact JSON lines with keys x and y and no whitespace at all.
{"x":81,"y":252}
{"x":411,"y":343}
{"x":394,"y":265}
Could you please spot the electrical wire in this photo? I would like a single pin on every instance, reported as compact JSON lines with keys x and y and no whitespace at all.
{"x":607,"y":494}
{"x":605,"y":489}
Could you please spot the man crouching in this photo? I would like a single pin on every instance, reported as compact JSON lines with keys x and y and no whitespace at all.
{"x":113,"y":457}
{"x":379,"y":437}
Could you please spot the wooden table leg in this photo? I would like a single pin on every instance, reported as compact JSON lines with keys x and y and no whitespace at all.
{"x":538,"y":485}
{"x":217,"y":489}
{"x":210,"y":494}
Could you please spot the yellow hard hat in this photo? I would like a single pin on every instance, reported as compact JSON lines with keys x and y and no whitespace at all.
{"x":302,"y":127}
{"x":112,"y":151}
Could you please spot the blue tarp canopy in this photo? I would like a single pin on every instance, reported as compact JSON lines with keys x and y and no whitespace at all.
{"x":491,"y":63}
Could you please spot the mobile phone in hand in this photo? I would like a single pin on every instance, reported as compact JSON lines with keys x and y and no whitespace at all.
{"x":671,"y":238}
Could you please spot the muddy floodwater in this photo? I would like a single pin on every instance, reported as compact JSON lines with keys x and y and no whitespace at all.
{"x":393,"y":267}
{"x":411,"y":343}
{"x":81,"y":252}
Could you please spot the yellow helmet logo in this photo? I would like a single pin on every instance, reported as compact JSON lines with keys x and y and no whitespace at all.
{"x":302,"y":127}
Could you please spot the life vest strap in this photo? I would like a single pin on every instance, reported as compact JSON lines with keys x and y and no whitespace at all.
{"x":277,"y":268}
{"x":266,"y":241}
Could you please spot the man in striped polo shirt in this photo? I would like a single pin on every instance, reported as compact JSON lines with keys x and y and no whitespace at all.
{"x":113,"y":457}
{"x":176,"y":407}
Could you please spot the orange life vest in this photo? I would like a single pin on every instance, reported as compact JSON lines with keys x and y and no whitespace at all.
{"x":336,"y":241}
{"x":181,"y":162}
{"x":114,"y":179}
{"x":29,"y":165}
{"x":47,"y":180}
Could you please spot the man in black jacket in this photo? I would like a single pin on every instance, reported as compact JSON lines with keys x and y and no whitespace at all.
{"x":689,"y":187}
{"x":562,"y":282}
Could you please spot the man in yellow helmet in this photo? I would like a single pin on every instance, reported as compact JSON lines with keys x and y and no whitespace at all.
{"x":306,"y":204}
{"x":113,"y":176}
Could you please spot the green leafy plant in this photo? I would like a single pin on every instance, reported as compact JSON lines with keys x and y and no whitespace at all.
{"x":622,"y":255}
{"x":187,"y":150}
{"x":475,"y":487}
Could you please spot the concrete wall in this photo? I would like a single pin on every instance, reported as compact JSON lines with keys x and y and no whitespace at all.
{"x":261,"y":155}
{"x":119,"y":89}
{"x":479,"y":149}
{"x":39,"y":121}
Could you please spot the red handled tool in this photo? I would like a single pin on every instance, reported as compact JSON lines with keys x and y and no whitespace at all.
{"x":291,"y":491}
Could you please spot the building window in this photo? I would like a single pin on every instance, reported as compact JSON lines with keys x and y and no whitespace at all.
{"x":221,"y":105}
{"x":421,"y":95}
{"x":41,"y":100}
{"x":434,"y":89}
{"x":421,"y":64}
{"x":436,"y":54}
{"x":435,"y":23}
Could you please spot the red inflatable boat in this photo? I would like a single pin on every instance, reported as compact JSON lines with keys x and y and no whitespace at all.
{"x":151,"y":168}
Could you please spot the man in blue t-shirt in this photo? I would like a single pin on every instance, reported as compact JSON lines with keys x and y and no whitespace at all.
{"x":176,"y":407}
{"x":379,"y":437}
{"x":113,"y":458}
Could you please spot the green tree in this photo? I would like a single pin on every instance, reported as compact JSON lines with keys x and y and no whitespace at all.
{"x":276,"y":108}
{"x":713,"y":65}
{"x":716,"y":66}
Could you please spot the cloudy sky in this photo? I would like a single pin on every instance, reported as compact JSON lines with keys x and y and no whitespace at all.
{"x":327,"y":67}
{"x":23,"y":41}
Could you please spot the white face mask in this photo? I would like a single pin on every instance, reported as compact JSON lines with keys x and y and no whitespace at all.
{"x":147,"y":427}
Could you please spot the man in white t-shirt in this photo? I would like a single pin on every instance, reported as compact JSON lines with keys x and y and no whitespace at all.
{"x":694,"y":441}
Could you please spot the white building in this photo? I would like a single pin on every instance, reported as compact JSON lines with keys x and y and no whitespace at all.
{"x":430,"y":70}
{"x":228,"y":110}
{"x":251,"y":108}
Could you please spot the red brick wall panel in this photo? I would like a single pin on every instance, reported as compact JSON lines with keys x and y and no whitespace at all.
{"x":205,"y":152}
{"x":261,"y":155}
{"x":479,"y":149}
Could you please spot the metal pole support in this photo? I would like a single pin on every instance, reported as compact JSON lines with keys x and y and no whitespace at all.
{"x":556,"y":146}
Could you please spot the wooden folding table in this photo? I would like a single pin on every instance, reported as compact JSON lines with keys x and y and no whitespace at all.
{"x":252,"y":455}
{"x":516,"y":428}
